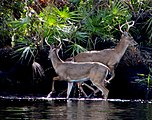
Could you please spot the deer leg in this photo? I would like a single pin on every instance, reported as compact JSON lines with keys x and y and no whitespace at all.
{"x":70,"y":85}
{"x":81,"y":89}
{"x":97,"y":90}
{"x":54,"y":78}
{"x":50,"y":94}
{"x":91,"y":88}
{"x":112,"y":75}
{"x":104,"y":90}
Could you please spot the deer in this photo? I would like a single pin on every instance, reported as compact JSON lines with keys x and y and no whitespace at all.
{"x":78,"y":71}
{"x":109,"y":57}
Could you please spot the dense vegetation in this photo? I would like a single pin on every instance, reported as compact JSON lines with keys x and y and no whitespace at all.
{"x":80,"y":24}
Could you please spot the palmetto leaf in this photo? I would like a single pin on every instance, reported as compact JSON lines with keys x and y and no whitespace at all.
{"x":22,"y":23}
{"x":24,"y":53}
{"x":76,"y":49}
{"x":37,"y":69}
{"x":149,"y":28}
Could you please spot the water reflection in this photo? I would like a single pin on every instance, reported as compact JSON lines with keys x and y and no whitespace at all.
{"x":74,"y":110}
{"x":82,"y":110}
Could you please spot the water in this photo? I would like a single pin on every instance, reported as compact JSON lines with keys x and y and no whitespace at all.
{"x":14,"y":108}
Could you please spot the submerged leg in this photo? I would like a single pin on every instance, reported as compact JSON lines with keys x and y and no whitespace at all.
{"x":81,"y":89}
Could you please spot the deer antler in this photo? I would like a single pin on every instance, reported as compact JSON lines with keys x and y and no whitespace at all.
{"x":60,"y":44}
{"x":52,"y":46}
{"x":46,"y":41}
{"x":128,"y":24}
{"x":120,"y":27}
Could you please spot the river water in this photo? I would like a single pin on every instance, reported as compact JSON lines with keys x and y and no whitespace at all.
{"x":13,"y":108}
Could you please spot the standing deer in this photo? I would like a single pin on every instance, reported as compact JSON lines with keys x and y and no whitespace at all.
{"x":75,"y":72}
{"x":109,"y":57}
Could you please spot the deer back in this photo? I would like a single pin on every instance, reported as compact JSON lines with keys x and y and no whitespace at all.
{"x":95,"y":56}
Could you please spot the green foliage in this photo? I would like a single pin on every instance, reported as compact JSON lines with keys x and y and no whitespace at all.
{"x":145,"y":80}
{"x":76,"y":49}
{"x":149,"y":29}
{"x":106,"y":20}
{"x":81,"y":25}
{"x":142,"y":12}
{"x":140,"y":4}
{"x":10,"y":10}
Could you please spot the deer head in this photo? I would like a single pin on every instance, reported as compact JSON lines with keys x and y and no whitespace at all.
{"x":53,"y":48}
{"x":125,"y":35}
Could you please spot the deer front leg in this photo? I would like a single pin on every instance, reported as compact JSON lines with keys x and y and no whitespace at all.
{"x":53,"y":90}
{"x":50,"y":94}
{"x":70,"y":85}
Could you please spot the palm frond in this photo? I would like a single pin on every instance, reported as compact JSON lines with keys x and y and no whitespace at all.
{"x":37,"y":69}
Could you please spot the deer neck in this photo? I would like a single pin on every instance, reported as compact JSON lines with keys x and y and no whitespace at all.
{"x":55,"y":59}
{"x":121,"y":47}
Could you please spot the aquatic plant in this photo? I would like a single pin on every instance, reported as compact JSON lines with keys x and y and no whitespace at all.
{"x":145,"y":80}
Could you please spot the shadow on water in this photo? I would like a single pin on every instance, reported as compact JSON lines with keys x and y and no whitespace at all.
{"x":61,"y":109}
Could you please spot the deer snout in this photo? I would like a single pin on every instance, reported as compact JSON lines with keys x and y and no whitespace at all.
{"x":133,"y":42}
{"x":49,"y":58}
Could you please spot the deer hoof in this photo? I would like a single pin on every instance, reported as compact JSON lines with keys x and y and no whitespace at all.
{"x":51,"y":94}
{"x":105,"y":97}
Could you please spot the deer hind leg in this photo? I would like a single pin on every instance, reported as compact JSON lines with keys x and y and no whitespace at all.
{"x":112,"y":71}
{"x":104,"y":83}
{"x":98,"y":81}
{"x":102,"y":88}
{"x":91,"y":88}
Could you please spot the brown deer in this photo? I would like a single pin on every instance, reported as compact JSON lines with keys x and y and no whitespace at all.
{"x":78,"y":71}
{"x":109,"y":57}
